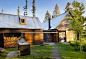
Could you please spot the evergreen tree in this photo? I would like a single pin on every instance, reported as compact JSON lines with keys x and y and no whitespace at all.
{"x":56,"y":12}
{"x":76,"y":18}
{"x":46,"y":16}
{"x":67,"y":8}
{"x":34,"y":8}
{"x":2,"y":10}
{"x":18,"y":10}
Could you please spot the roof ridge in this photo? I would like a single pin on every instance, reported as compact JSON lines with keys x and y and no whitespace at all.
{"x":17,"y":15}
{"x":57,"y":16}
{"x":60,"y":14}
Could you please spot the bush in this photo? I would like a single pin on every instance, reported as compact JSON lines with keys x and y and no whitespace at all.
{"x":72,"y":43}
{"x":77,"y":48}
{"x":75,"y":43}
{"x":1,"y":57}
{"x":84,"y":47}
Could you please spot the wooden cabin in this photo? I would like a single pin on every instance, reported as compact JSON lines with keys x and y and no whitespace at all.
{"x":11,"y":27}
{"x":61,"y":24}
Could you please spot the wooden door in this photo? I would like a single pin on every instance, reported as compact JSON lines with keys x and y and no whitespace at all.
{"x":29,"y":38}
{"x":54,"y":37}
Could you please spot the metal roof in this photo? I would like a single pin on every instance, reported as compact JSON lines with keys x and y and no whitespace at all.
{"x":54,"y":21}
{"x":12,"y":21}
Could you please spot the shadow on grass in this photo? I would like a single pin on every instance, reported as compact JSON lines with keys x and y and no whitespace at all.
{"x":68,"y":52}
{"x":37,"y":52}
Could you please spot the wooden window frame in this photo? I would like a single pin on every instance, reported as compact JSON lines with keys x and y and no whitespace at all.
{"x":24,"y":21}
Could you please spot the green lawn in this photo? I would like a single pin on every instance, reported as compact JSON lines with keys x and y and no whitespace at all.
{"x":37,"y":52}
{"x":68,"y":52}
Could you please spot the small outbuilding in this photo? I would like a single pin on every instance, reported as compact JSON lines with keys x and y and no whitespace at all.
{"x":11,"y":27}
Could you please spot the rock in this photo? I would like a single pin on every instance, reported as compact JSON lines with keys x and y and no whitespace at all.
{"x":12,"y":54}
{"x":2,"y":49}
{"x":42,"y":45}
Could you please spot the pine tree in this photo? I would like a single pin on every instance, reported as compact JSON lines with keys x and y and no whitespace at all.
{"x":34,"y":8}
{"x":2,"y":10}
{"x":18,"y":10}
{"x":56,"y":12}
{"x":25,"y":8}
{"x":46,"y":16}
{"x":67,"y":8}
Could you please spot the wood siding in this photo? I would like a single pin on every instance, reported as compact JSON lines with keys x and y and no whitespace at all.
{"x":34,"y":38}
{"x":12,"y":36}
{"x":63,"y":25}
{"x":29,"y":38}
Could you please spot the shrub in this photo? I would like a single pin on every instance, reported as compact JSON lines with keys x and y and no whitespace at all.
{"x":84,"y":47}
{"x":72,"y":43}
{"x":1,"y":57}
{"x":83,"y":41}
{"x":77,"y":48}
{"x":77,"y":43}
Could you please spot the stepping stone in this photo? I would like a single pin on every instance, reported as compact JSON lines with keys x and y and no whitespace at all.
{"x":65,"y":43}
{"x":2,"y":49}
{"x":55,"y":53}
{"x":12,"y":54}
{"x":50,"y":43}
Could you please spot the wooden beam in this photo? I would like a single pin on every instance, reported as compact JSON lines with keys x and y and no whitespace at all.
{"x":39,"y":32}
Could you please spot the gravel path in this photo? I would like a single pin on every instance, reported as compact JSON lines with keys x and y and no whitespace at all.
{"x":12,"y":54}
{"x":55,"y":53}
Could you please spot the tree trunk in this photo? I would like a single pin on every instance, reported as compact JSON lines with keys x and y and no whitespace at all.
{"x":80,"y":42}
{"x":77,"y":36}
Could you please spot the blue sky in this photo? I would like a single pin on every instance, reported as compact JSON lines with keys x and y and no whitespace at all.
{"x":11,"y":6}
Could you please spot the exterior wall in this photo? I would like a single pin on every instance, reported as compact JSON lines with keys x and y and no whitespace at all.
{"x":34,"y":38}
{"x":38,"y":37}
{"x":63,"y":25}
{"x":69,"y":35}
{"x":12,"y":36}
{"x":29,"y":38}
{"x":50,"y":37}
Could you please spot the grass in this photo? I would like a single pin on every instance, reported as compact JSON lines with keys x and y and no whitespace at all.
{"x":37,"y":52}
{"x":4,"y":54}
{"x":67,"y":52}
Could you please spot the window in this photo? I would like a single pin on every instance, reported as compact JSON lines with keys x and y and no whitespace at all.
{"x":22,"y":21}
